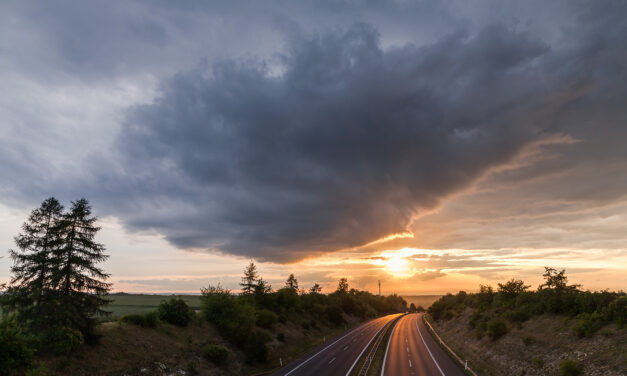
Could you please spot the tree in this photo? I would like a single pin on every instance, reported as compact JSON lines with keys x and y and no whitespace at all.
{"x":556,"y":281}
{"x":30,"y":289}
{"x":249,"y":280}
{"x":512,"y":288}
{"x":262,"y":287}
{"x":316,"y":288}
{"x":342,"y":285}
{"x":79,"y":282}
{"x":291,"y":282}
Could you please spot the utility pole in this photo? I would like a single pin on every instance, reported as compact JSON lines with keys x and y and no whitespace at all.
{"x":379,"y":287}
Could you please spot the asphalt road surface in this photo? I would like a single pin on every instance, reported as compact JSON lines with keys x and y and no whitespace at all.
{"x":337,"y":356}
{"x":412,"y":351}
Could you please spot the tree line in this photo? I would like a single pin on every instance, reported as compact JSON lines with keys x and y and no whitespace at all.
{"x":513,"y":302}
{"x":246,"y":319}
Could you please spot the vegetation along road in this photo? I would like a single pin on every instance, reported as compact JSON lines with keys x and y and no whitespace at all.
{"x":412,"y":351}
{"x":337,"y":356}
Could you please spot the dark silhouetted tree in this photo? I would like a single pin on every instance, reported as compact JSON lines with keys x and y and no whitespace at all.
{"x":342,"y":285}
{"x":291,"y":282}
{"x":80,"y":283}
{"x":30,"y":290}
{"x":316,"y":288}
{"x":512,"y":288}
{"x":249,"y":280}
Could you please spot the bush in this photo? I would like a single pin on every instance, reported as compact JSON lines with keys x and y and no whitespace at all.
{"x":147,"y":320}
{"x":569,"y":368}
{"x":40,"y":370}
{"x":14,"y":350}
{"x":305,"y":325}
{"x":334,"y":314}
{"x":63,"y":340}
{"x":518,"y":315}
{"x":175,"y":311}
{"x":266,"y":318}
{"x":528,"y":340}
{"x":280,"y":337}
{"x":496,"y":329}
{"x":255,"y":348}
{"x":588,"y":324}
{"x":216,"y":354}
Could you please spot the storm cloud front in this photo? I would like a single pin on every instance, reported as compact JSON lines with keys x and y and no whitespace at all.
{"x":338,"y":135}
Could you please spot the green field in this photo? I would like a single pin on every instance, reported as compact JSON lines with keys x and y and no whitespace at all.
{"x":135,"y":303}
{"x":422,"y":300}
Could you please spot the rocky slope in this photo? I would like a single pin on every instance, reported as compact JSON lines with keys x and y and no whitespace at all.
{"x":536,"y":347}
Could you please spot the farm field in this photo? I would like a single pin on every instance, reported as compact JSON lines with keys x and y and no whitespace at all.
{"x":421,"y":300}
{"x":125,"y":304}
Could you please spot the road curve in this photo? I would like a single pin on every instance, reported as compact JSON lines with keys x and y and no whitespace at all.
{"x":336,"y":356}
{"x":412,"y":351}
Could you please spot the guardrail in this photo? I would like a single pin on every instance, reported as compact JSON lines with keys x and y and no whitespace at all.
{"x":373,"y":350}
{"x":463,"y":363}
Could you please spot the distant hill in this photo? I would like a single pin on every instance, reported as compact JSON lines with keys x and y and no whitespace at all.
{"x":421,"y":300}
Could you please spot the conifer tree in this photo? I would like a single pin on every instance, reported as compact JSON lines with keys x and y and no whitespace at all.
{"x":249,"y":280}
{"x":30,"y":292}
{"x":80,"y":283}
{"x":291,"y":283}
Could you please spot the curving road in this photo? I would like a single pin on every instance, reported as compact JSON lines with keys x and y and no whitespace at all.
{"x":336,"y":357}
{"x":412,"y":351}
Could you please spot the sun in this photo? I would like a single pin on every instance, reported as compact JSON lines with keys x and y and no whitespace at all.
{"x":395,"y":263}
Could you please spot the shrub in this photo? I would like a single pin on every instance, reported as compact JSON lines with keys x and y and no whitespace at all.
{"x":146,"y":320}
{"x":280,"y":337}
{"x":14,"y":350}
{"x":588,"y":324}
{"x":175,"y":311}
{"x":192,"y":368}
{"x":537,"y":362}
{"x":528,"y":340}
{"x":216,"y":354}
{"x":334,"y":314}
{"x":518,"y":315}
{"x":266,"y":318}
{"x":496,"y":329}
{"x":569,"y":368}
{"x":63,"y":340}
{"x":305,"y":325}
{"x":255,"y":347}
{"x":40,"y":370}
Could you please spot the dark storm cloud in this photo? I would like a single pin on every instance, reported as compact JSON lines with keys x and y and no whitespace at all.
{"x":341,"y":148}
{"x":302,"y":134}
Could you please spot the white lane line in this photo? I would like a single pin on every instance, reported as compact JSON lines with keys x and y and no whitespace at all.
{"x":362,"y":351}
{"x":408,"y":349}
{"x":334,"y":342}
{"x":387,"y":348}
{"x":332,"y":360}
{"x":345,"y":348}
{"x":423,"y":341}
{"x":409,"y":363}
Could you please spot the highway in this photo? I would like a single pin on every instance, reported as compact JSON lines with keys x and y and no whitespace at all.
{"x":338,"y":356}
{"x":412,"y":351}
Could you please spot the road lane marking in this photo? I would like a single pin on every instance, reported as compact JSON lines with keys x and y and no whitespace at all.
{"x":387,"y":348}
{"x":345,"y":347}
{"x":334,"y":342}
{"x":408,"y":349}
{"x":423,"y":341}
{"x":409,"y":363}
{"x":332,"y":360}
{"x":368,"y":344}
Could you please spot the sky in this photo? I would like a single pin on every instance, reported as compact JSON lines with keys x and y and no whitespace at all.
{"x":431,"y":145}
